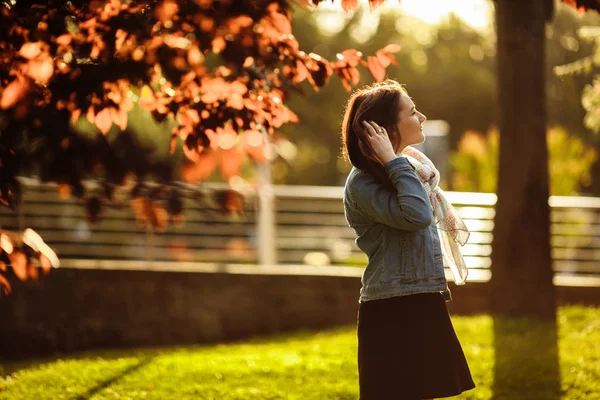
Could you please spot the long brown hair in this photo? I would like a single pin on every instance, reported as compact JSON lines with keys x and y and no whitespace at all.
{"x":380,"y":103}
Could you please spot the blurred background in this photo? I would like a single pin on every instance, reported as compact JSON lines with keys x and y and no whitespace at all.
{"x":276,"y":254}
{"x":447,"y":62}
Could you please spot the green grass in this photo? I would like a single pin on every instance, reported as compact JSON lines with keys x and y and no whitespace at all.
{"x":510,"y":359}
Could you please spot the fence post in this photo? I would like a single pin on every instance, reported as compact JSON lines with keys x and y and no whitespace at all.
{"x":266,"y":209}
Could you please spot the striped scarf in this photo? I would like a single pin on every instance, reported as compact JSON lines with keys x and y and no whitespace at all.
{"x":453,"y":231}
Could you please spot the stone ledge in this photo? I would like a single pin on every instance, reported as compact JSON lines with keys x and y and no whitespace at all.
{"x":87,"y":307}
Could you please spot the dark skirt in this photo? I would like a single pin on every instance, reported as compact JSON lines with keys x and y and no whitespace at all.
{"x":407,"y":349}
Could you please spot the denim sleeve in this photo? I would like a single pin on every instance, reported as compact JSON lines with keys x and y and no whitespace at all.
{"x":408,"y":208}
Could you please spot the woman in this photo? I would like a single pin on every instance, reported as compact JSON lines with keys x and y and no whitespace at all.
{"x":407,"y":347}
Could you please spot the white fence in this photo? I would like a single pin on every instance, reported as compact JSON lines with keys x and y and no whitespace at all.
{"x":306,"y":226}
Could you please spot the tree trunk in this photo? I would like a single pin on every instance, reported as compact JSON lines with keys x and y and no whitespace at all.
{"x":521,"y":260}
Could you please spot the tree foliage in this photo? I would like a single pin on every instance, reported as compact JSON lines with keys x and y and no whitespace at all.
{"x":221,"y":69}
{"x":590,"y":96}
{"x":475,"y":164}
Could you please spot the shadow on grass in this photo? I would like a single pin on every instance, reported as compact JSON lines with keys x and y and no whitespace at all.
{"x":108,"y":382}
{"x":10,"y":367}
{"x":527,"y":365}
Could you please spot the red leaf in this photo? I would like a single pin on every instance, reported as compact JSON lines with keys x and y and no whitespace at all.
{"x":213,"y":138}
{"x":166,"y":10}
{"x":95,"y":52}
{"x":376,"y":69}
{"x":160,"y":218}
{"x":230,"y":201}
{"x":281,"y":23}
{"x":119,"y":118}
{"x":64,"y":191}
{"x":32,"y":271}
{"x":103,"y":121}
{"x":307,"y":4}
{"x":189,"y":118}
{"x":18,"y":261}
{"x":199,"y":171}
{"x":45,"y":263}
{"x":120,"y":36}
{"x":31,"y":50}
{"x":149,"y":213}
{"x":383,"y":59}
{"x":257,"y":153}
{"x":235,"y":25}
{"x":292,"y":116}
{"x":351,"y":56}
{"x":346,"y":74}
{"x":346,"y":84}
{"x":234,"y":202}
{"x":392,"y":48}
{"x":173,"y":143}
{"x":235,"y":101}
{"x":238,"y":87}
{"x":355,"y":75}
{"x":348,"y":5}
{"x":384,"y":56}
{"x":75,"y":115}
{"x":230,"y":162}
{"x":210,"y":97}
{"x":4,"y":285}
{"x":41,"y":70}
{"x":254,"y":145}
{"x":195,"y":56}
{"x":301,"y":72}
{"x":191,"y":154}
{"x":218,"y":44}
{"x":13,"y":93}
{"x":64,"y":40}
{"x":90,"y":116}
{"x":375,"y":3}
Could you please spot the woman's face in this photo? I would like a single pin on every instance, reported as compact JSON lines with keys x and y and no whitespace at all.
{"x":410,"y":123}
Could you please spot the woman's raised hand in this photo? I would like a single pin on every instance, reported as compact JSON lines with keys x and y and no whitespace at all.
{"x":380,"y":142}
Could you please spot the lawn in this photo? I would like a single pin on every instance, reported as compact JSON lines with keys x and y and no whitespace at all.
{"x":510,"y":359}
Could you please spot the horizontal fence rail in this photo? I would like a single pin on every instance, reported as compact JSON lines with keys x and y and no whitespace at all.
{"x":309,"y":228}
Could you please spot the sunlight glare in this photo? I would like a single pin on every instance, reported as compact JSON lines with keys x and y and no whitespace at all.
{"x":476,"y":13}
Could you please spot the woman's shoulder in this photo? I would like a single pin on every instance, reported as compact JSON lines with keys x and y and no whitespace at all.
{"x":357,"y":183}
{"x":355,"y":175}
{"x":359,"y":177}
{"x":358,"y":174}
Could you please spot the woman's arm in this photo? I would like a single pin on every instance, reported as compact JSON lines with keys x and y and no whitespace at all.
{"x":408,"y":208}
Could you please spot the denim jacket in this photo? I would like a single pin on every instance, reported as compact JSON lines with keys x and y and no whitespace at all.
{"x":396,"y":231}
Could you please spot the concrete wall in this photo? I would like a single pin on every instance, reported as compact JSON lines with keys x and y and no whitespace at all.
{"x":76,"y":309}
